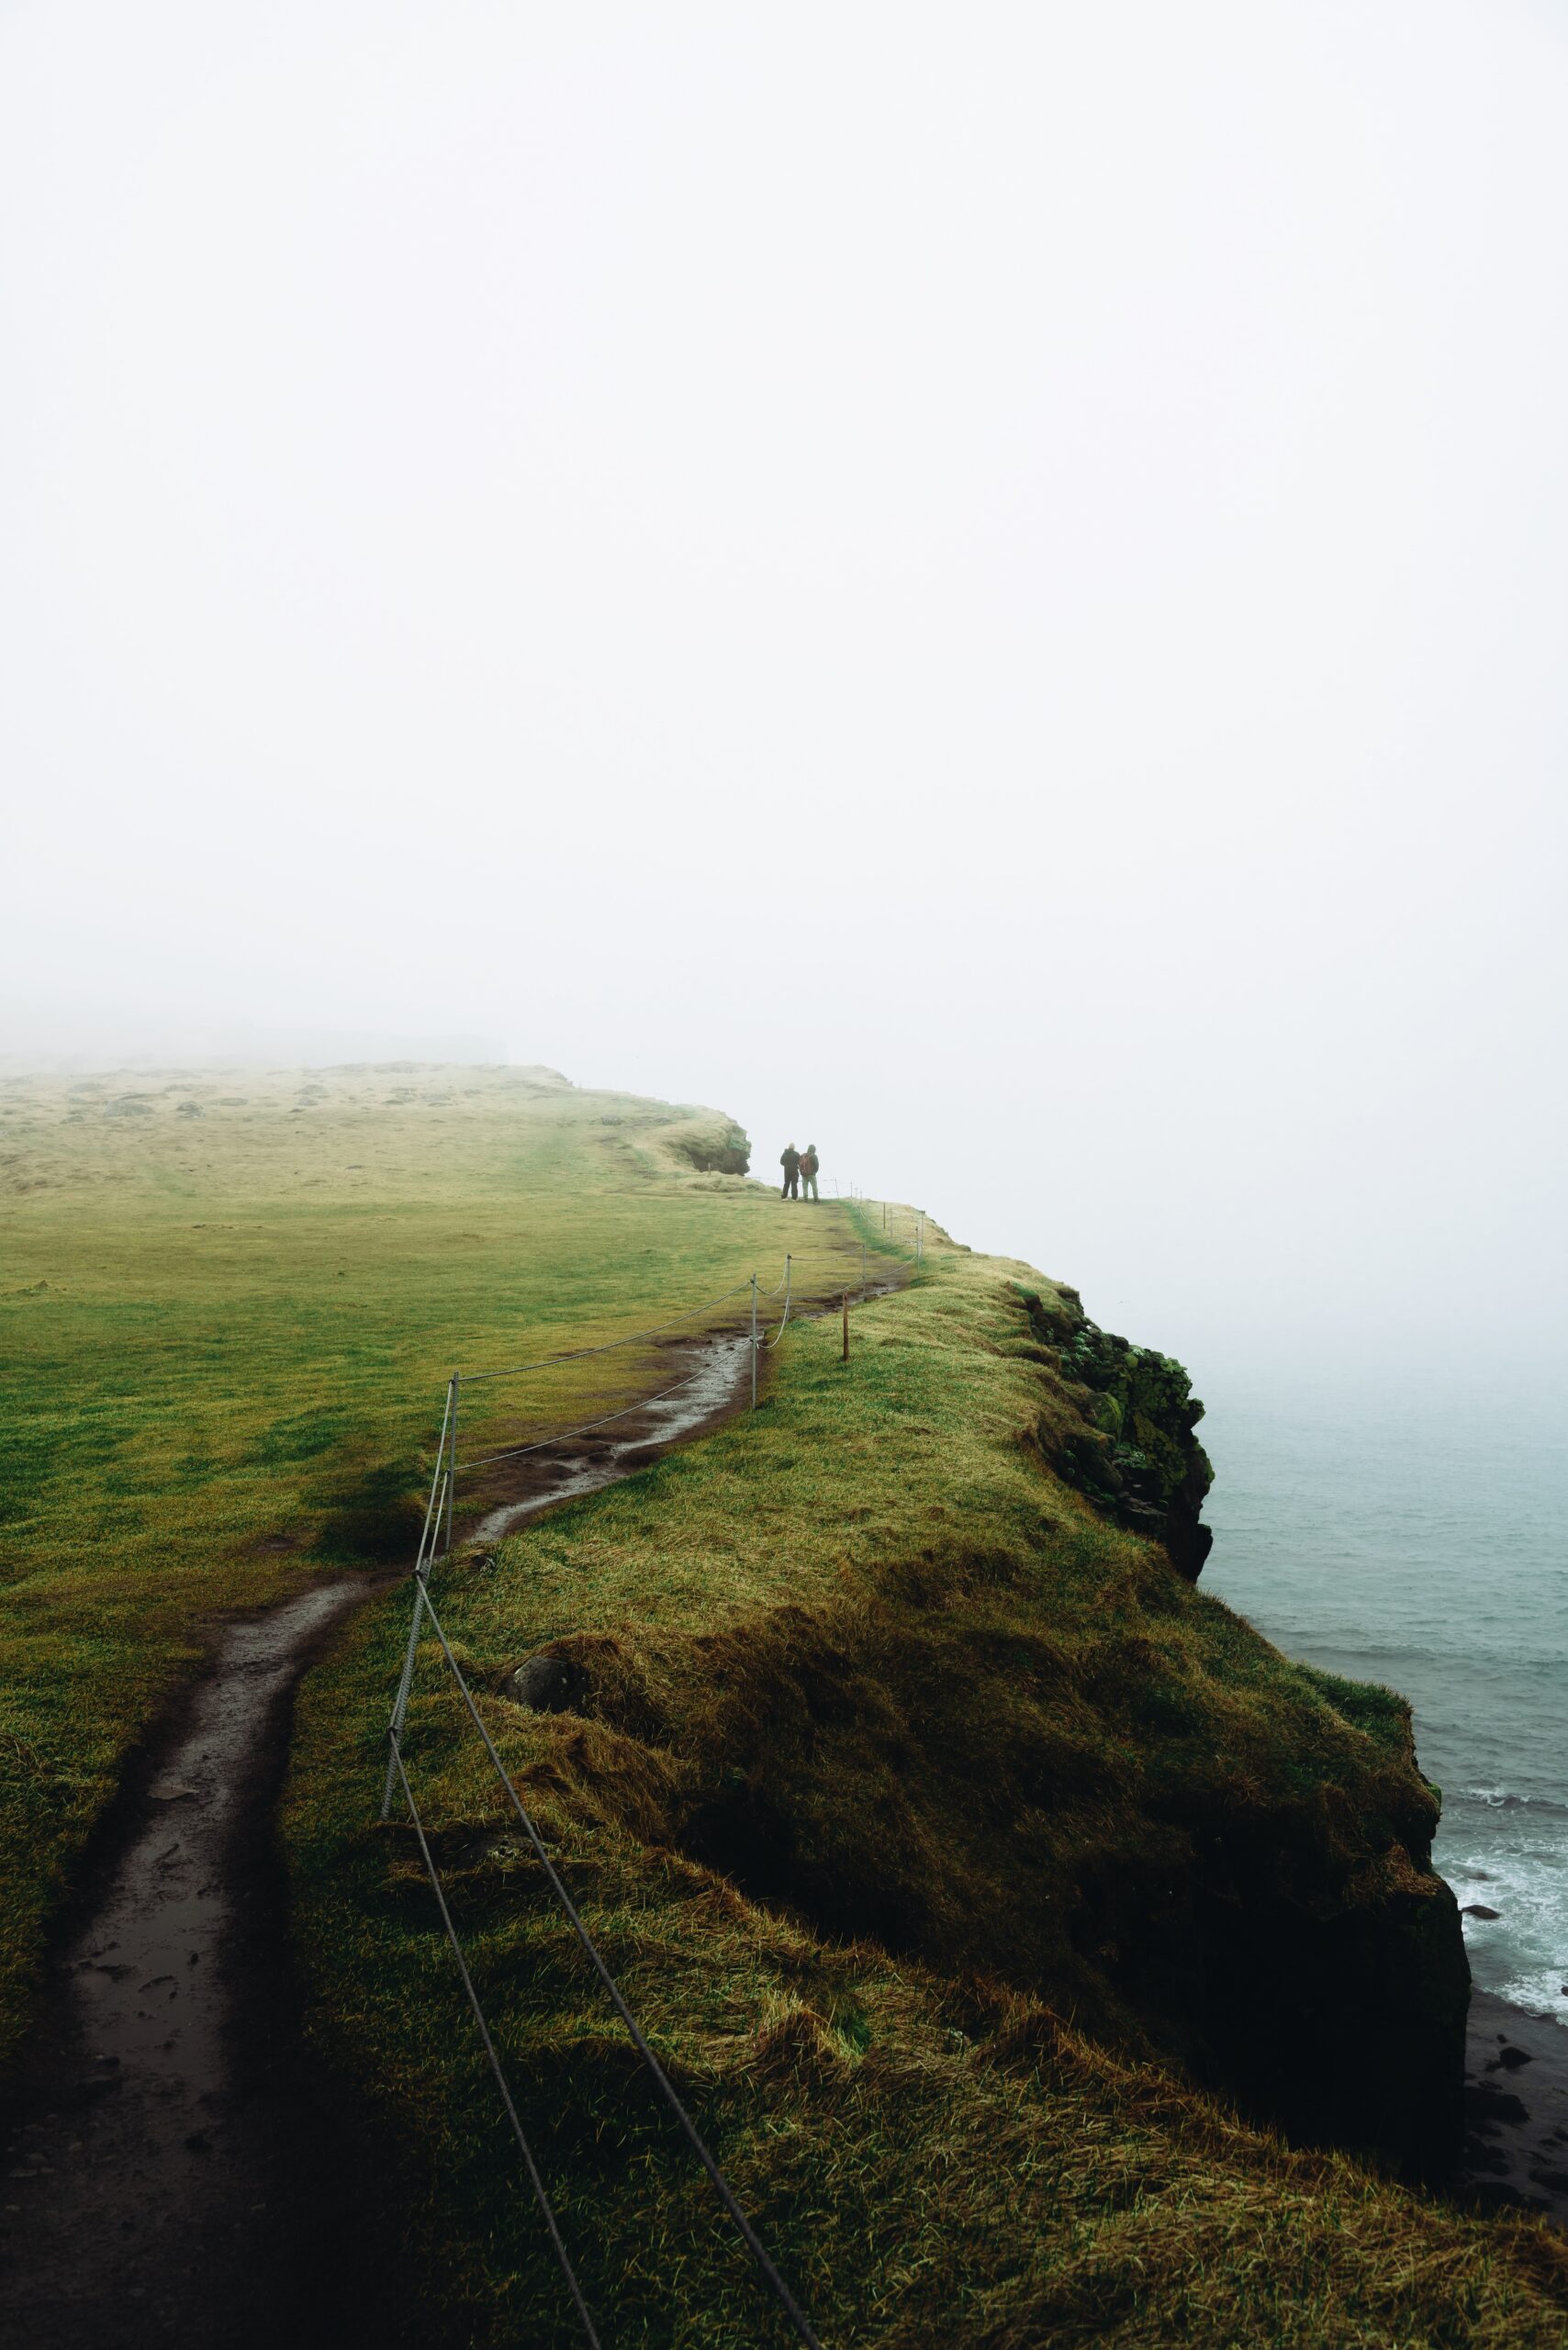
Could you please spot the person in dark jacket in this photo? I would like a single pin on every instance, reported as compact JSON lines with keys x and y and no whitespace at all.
{"x":809,"y":1162}
{"x":789,"y":1159}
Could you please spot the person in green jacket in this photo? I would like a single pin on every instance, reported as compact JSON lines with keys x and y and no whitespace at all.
{"x":810,"y":1163}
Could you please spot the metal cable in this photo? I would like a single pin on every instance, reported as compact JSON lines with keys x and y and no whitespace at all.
{"x":753,"y":2242}
{"x":433,"y":1511}
{"x":421,"y":1564}
{"x":541,"y":2196}
{"x":835,"y":1256}
{"x":515,"y":1371}
{"x":561,"y":1436}
{"x":821,"y":1256}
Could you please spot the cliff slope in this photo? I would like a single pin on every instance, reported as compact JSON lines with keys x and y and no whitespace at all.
{"x":960,"y":1851}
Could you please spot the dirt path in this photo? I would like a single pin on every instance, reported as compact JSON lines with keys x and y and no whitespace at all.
{"x":176,"y":2170}
{"x":173,"y":2174}
{"x":714,"y":1377}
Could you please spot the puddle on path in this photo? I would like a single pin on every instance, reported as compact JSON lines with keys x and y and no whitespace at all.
{"x":715,"y":1375}
{"x":714,"y":1385}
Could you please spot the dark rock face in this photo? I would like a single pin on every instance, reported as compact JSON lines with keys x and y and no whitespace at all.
{"x":1516,"y":2148}
{"x":1137,"y":1456}
{"x":1341,"y":2021}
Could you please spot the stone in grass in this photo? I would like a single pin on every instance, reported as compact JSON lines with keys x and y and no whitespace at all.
{"x":545,"y":1684}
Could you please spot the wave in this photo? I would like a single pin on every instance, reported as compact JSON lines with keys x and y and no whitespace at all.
{"x":1505,"y":1799}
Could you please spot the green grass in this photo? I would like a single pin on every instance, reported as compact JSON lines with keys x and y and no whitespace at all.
{"x":222,"y":1344}
{"x":875,"y":1716}
{"x":866,"y":1699}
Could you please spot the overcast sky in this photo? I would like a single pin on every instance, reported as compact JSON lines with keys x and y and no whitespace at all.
{"x":986,"y":585}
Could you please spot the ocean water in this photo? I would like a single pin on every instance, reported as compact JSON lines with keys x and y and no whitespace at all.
{"x":1422,"y":1541}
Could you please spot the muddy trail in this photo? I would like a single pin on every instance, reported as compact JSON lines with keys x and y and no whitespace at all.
{"x":173,"y":2170}
{"x":699,"y":1383}
{"x":712,"y":1378}
{"x":176,"y":2168}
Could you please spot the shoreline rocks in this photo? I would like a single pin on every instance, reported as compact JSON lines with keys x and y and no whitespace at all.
{"x":1516,"y":2146}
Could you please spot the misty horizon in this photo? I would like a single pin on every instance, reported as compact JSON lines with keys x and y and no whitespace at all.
{"x":995,"y":592}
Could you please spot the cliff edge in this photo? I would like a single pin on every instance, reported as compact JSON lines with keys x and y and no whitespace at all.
{"x":975,"y":1868}
{"x":1008,"y":1738}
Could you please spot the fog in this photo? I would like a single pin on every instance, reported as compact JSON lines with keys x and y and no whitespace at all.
{"x":985,"y":585}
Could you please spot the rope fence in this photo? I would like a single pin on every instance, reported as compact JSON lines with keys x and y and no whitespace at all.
{"x":753,"y":2242}
{"x":517,"y":1451}
{"x":436,"y":1540}
{"x":540,"y":2194}
{"x":632,"y":1338}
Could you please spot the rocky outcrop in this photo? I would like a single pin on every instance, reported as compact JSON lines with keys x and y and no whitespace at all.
{"x":542,"y":1684}
{"x":1135,"y":1454}
{"x":714,"y":1148}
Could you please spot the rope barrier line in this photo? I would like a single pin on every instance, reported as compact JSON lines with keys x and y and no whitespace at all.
{"x":786,"y":1285}
{"x":560,"y":1437}
{"x":726,"y":2193}
{"x":585,"y":1428}
{"x":875,"y":1243}
{"x":541,"y":2196}
{"x":576,"y":1354}
{"x":422,"y":1568}
{"x":814,"y":1256}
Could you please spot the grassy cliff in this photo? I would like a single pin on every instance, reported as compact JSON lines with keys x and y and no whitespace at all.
{"x":972,"y":1870}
